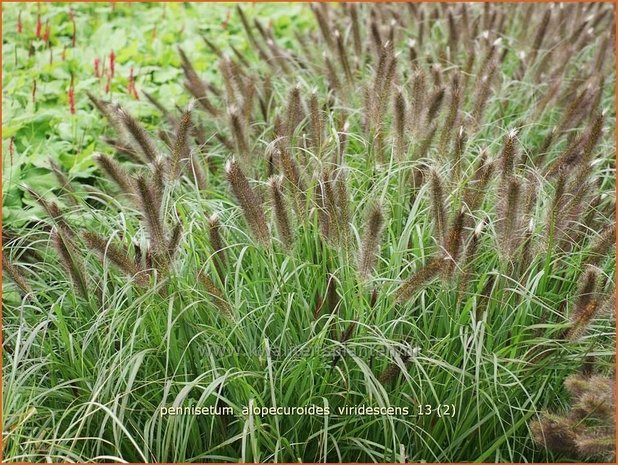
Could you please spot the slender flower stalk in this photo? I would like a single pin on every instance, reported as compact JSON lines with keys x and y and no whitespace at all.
{"x":392,"y":370}
{"x":435,"y":105}
{"x":53,"y":211}
{"x":331,"y":204}
{"x":483,"y":92}
{"x":540,"y":36}
{"x":593,"y":136}
{"x":323,"y":24}
{"x":508,"y":155}
{"x":331,"y":74}
{"x":356,"y":34}
{"x":453,"y":112}
{"x":423,"y":148}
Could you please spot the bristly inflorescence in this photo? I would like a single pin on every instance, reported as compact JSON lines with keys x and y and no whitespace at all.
{"x":400,"y":163}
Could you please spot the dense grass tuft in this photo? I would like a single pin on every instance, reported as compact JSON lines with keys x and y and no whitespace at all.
{"x":394,"y":206}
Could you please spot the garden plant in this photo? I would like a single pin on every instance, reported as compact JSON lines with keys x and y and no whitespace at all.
{"x":318,"y":233}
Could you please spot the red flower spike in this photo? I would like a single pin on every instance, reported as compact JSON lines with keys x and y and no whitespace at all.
{"x":112,"y":63}
{"x":47,"y":31}
{"x":74,"y":37}
{"x":12,"y":148}
{"x":131,"y":85}
{"x":71,"y":96}
{"x":37,"y":31}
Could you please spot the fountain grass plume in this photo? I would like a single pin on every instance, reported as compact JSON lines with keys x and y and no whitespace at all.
{"x":150,"y":206}
{"x":17,"y":276}
{"x":117,"y":255}
{"x":438,"y":207}
{"x":217,"y":244}
{"x":139,"y":135}
{"x":217,"y":297}
{"x":282,"y":216}
{"x":181,"y":148}
{"x":425,"y":274}
{"x":400,"y":117}
{"x":249,"y":201}
{"x":72,"y":261}
{"x":372,"y":238}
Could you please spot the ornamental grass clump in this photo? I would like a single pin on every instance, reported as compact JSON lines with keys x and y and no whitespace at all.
{"x":360,"y":204}
{"x":588,"y":428}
